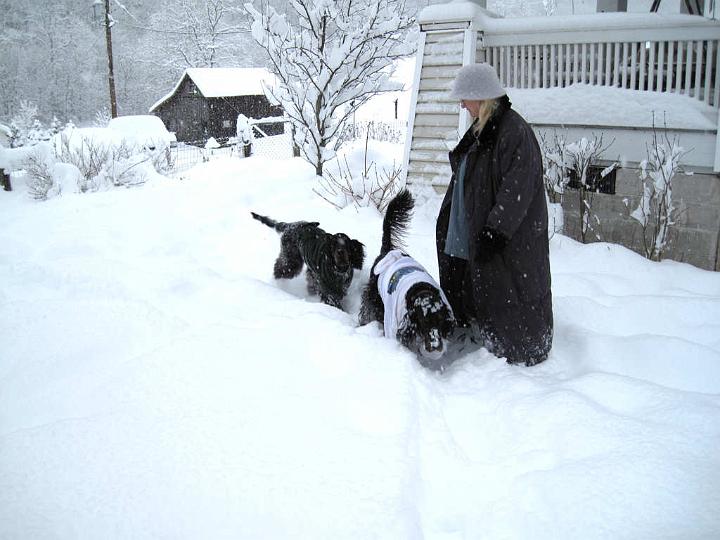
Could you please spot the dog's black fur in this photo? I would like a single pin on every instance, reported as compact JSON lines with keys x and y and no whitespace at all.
{"x":330,"y":258}
{"x":429,"y":321}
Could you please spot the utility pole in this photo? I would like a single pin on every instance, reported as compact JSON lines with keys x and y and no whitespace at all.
{"x":108,"y":23}
{"x":111,"y":72}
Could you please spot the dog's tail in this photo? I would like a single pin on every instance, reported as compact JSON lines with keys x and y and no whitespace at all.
{"x":279,"y":226}
{"x":397,"y":219}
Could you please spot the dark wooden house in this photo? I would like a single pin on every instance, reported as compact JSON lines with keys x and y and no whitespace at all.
{"x":207,"y":101}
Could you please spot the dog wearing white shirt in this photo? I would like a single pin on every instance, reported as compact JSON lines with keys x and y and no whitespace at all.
{"x":403,"y":296}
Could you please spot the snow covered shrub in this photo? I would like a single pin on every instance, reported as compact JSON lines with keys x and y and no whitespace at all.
{"x":55,"y":126}
{"x":87,"y":154}
{"x":125,"y":168}
{"x":556,"y":166}
{"x":360,"y":184}
{"x":102,"y":118}
{"x":105,"y":163}
{"x":582,"y":155}
{"x":655,"y":209}
{"x":330,"y":58}
{"x":46,"y":177}
{"x":26,"y":128}
{"x":21,"y":123}
{"x":39,"y":177}
{"x":556,"y":175}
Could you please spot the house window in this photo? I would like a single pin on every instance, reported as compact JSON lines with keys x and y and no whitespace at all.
{"x":595,"y":181}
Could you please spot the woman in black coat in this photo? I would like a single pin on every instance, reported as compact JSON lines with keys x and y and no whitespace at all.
{"x":492,"y":229}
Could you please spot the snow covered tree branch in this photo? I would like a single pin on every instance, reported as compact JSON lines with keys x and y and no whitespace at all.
{"x":330,"y":62}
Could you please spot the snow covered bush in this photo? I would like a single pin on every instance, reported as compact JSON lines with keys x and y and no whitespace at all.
{"x":358,"y":180}
{"x":582,"y":155}
{"x":26,"y":129}
{"x":124,"y":168}
{"x":104,"y":162}
{"x":45,"y":176}
{"x":556,"y":166}
{"x":102,"y":117}
{"x":39,"y":177}
{"x":568,"y":165}
{"x":330,"y":58}
{"x":655,"y":211}
{"x":88,"y":154}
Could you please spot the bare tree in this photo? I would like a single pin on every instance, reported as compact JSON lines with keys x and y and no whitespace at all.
{"x":332,"y":60}
{"x":198,"y":33}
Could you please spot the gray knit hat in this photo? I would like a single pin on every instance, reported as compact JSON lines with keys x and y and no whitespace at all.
{"x":476,"y":81}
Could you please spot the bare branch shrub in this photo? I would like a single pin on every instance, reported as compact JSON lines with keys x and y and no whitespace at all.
{"x":88,"y":156}
{"x":655,"y":211}
{"x":556,"y":166}
{"x":583,"y":154}
{"x":103,"y":165}
{"x":374,"y":187}
{"x":40,"y":181}
{"x":125,"y":168}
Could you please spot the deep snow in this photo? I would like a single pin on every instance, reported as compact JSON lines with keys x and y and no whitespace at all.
{"x":155,"y":381}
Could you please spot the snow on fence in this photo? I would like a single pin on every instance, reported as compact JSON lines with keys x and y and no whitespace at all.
{"x":652,"y":52}
{"x":271,"y":138}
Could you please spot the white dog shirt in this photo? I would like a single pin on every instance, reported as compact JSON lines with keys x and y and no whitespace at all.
{"x":396,"y":273}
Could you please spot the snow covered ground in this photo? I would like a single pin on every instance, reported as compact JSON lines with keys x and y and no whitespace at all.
{"x":156,"y":382}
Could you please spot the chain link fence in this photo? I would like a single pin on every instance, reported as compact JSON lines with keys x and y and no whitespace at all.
{"x":271,"y":138}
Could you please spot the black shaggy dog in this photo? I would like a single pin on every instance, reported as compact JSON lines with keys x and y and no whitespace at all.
{"x":403,"y":296}
{"x":330,"y":258}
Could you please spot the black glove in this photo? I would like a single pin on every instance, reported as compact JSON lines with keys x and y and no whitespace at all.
{"x":490,"y":243}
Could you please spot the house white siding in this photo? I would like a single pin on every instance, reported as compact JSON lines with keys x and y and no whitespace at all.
{"x":434,"y":118}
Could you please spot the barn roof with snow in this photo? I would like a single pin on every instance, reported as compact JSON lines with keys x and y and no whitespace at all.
{"x":224,"y":82}
{"x":206,"y":102}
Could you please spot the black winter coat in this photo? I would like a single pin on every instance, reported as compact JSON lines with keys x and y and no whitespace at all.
{"x":509,"y":295}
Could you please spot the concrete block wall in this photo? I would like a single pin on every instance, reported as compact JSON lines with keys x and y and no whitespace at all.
{"x":695,"y":236}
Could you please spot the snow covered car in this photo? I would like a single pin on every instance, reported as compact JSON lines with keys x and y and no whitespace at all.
{"x":143,"y":130}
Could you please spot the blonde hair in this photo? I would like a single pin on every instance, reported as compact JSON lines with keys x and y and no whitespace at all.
{"x":487,"y":107}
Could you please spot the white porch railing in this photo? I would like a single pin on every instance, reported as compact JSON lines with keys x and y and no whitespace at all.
{"x":656,"y":52}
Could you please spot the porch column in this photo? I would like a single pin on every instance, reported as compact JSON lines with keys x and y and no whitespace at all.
{"x":448,"y":41}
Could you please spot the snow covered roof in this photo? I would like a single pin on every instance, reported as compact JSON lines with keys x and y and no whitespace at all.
{"x":462,"y":10}
{"x":224,"y":82}
{"x":590,"y":105}
{"x":457,"y":10}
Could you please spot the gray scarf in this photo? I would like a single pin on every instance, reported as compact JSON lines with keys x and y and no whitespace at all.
{"x":456,"y":241}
